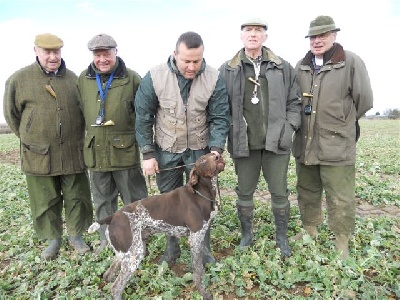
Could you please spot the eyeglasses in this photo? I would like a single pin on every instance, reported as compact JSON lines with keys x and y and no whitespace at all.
{"x":322,"y":36}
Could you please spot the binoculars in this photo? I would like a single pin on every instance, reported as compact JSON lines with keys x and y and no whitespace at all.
{"x":308,"y":107}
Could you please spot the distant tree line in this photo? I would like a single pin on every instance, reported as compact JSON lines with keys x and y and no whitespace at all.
{"x":392,"y":113}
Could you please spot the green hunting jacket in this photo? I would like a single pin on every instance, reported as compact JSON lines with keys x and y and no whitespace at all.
{"x":110,"y":148}
{"x":283,"y":102}
{"x":341,"y":95}
{"x":43,"y":111}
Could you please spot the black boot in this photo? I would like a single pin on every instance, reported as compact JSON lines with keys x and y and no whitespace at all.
{"x":245,"y":215}
{"x":281,"y":223}
{"x":207,"y":255}
{"x":172,"y":252}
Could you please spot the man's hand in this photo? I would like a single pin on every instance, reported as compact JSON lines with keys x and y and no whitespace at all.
{"x":150,"y":166}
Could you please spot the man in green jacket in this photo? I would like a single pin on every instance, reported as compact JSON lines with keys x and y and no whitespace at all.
{"x":108,"y":89}
{"x":41,"y":106}
{"x":265,"y":111}
{"x":336,"y":93}
{"x":182,"y":113}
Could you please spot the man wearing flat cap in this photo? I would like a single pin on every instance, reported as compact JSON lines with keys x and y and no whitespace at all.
{"x":107,"y":88}
{"x":41,"y":106}
{"x":336,"y":93}
{"x":265,"y":111}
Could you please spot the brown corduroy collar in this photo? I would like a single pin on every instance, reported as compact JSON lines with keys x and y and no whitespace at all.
{"x":334,"y":55}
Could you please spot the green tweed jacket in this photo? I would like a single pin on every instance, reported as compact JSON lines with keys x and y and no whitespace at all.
{"x":43,"y":111}
{"x":110,"y":148}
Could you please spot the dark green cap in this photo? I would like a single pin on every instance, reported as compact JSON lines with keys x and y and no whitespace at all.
{"x":320,"y":25}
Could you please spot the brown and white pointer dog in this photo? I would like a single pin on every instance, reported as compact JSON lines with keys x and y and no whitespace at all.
{"x":185,"y":211}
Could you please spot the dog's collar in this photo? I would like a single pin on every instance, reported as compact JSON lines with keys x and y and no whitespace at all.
{"x":200,"y":194}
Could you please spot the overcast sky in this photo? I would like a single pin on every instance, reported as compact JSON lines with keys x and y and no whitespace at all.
{"x":146,"y":32}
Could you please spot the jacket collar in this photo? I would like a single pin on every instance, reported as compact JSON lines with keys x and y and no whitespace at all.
{"x":267,"y":54}
{"x":62,"y":69}
{"x":334,"y":55}
{"x":120,"y":72}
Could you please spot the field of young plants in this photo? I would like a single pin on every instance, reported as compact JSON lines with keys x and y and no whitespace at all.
{"x":315,"y":270}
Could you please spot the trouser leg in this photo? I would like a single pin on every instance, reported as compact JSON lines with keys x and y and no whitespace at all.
{"x":309,"y":194}
{"x":339,"y":185}
{"x":46,"y":204}
{"x":207,"y":254}
{"x":77,"y":203}
{"x":130,"y":184}
{"x":105,"y":197}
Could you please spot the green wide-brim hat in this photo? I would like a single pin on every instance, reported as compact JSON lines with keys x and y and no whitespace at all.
{"x":320,"y":25}
{"x":48,"y":41}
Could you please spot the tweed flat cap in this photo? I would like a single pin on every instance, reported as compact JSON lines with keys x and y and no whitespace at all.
{"x":102,"y":41}
{"x":254,"y":21}
{"x":320,"y":25}
{"x":48,"y":41}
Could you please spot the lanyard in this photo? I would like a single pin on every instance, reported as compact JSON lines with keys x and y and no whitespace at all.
{"x":103,"y":93}
{"x":257,"y":69}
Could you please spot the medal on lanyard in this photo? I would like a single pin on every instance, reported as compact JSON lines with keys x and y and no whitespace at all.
{"x":257,"y":68}
{"x":254,"y":99}
{"x":103,"y":93}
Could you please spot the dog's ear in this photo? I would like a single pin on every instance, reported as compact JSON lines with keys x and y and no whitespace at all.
{"x":193,"y":179}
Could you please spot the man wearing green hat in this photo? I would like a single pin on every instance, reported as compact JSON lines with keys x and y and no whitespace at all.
{"x":265,"y":111}
{"x":41,"y":106}
{"x":336,"y":93}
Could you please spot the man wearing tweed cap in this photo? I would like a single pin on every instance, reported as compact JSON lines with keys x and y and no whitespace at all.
{"x":41,"y":106}
{"x":107,"y":89}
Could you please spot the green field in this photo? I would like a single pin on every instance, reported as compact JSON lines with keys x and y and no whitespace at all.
{"x":313,"y":272}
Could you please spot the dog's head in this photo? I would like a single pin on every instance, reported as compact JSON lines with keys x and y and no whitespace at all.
{"x":207,"y":166}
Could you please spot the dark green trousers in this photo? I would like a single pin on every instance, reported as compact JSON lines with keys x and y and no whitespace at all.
{"x":49,"y":194}
{"x":274,"y":169}
{"x":338,"y":182}
{"x":106,"y":186}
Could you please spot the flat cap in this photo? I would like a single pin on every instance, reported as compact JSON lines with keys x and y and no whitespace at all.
{"x":102,"y":41}
{"x":48,"y":41}
{"x":254,"y":21}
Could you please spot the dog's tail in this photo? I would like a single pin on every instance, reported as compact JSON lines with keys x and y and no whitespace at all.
{"x":96,"y":225}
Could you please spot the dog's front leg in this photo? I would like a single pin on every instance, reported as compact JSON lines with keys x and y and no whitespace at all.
{"x":196,"y":241}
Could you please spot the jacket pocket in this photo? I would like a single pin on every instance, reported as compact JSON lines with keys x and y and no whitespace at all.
{"x":123,"y":151}
{"x":35,"y":159}
{"x":89,"y":155}
{"x":165,"y":141}
{"x":286,"y":137}
{"x":332,"y":145}
{"x":202,"y":138}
